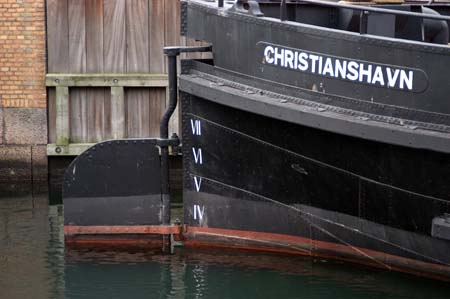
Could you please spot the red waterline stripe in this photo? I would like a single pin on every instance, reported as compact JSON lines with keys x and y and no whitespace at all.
{"x":261,"y":241}
{"x":71,"y":230}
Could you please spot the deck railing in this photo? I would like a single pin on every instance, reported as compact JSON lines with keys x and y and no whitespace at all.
{"x":363,"y":8}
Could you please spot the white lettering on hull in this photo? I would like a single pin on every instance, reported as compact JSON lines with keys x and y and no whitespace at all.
{"x":341,"y":68}
{"x":197,"y":183}
{"x":199,"y":212}
{"x":196,"y":127}
{"x":197,"y":155}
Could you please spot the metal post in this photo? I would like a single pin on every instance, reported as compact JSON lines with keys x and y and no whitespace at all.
{"x":220,"y":3}
{"x":364,"y":17}
{"x":283,"y":10}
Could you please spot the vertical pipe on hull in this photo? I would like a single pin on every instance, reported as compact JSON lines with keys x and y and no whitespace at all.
{"x":164,"y":134}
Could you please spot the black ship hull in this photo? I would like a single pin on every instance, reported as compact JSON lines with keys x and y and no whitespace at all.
{"x":292,"y":156}
{"x":267,"y":184}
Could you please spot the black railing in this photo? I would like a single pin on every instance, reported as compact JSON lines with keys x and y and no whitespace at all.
{"x":364,"y":9}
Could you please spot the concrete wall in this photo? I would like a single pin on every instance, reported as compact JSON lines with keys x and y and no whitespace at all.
{"x":23,"y":114}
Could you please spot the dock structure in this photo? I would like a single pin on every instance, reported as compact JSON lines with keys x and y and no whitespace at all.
{"x":75,"y":72}
{"x":106,"y":74}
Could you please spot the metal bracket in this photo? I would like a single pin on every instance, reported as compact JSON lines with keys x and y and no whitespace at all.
{"x":173,"y":141}
{"x":250,"y":7}
{"x":174,"y":244}
{"x":440,"y":227}
{"x":176,"y":50}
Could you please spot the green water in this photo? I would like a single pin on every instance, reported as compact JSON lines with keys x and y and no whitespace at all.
{"x":35,"y":264}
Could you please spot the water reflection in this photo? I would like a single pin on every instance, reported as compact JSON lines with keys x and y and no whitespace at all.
{"x":31,"y":247}
{"x":35,"y":264}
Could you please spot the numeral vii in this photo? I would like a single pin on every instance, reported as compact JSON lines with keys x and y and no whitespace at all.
{"x":196,"y":127}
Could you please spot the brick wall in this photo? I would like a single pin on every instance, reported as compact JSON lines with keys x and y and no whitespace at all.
{"x":22,"y":53}
{"x":23,"y":114}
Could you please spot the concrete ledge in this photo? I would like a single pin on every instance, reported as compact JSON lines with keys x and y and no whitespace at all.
{"x":23,"y":164}
{"x":15,"y":163}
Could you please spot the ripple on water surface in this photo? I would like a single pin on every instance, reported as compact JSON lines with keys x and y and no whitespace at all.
{"x":34,"y":264}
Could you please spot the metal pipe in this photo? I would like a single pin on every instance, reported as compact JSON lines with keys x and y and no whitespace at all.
{"x":172,"y":63}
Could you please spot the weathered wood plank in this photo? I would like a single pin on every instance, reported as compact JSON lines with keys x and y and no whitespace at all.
{"x":172,"y":38}
{"x":156,"y":36}
{"x":117,"y":112}
{"x":77,"y":64}
{"x":172,"y":23}
{"x":99,"y":105}
{"x":137,"y":99}
{"x":99,"y":112}
{"x":78,"y":114}
{"x":157,"y":108}
{"x":57,"y":36}
{"x":137,"y":36}
{"x":51,"y":95}
{"x":138,"y":111}
{"x":107,"y":80}
{"x":94,"y":36}
{"x":77,"y":36}
{"x":114,"y":31}
{"x":62,"y":116}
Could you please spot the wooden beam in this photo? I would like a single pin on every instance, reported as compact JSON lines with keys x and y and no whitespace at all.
{"x":62,"y":115}
{"x":73,"y":149}
{"x":117,"y":112}
{"x":107,"y":80}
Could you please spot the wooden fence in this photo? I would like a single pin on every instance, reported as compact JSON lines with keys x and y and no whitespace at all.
{"x":107,"y":75}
